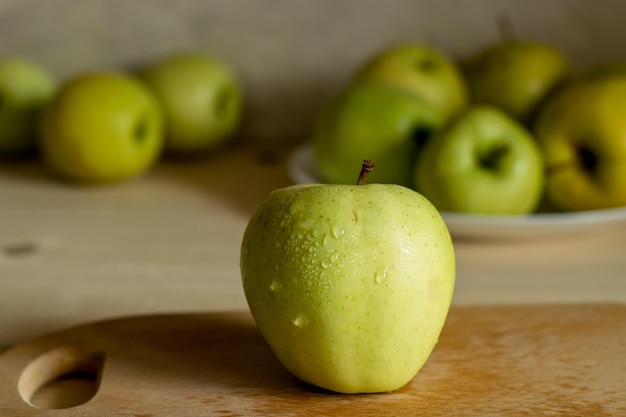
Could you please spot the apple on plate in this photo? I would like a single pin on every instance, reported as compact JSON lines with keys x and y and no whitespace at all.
{"x":517,"y":76}
{"x":101,"y":128}
{"x":582,"y":134}
{"x":201,"y":98}
{"x":484,"y":162}
{"x":350,"y":285}
{"x":372,"y":121}
{"x":25,"y":88}
{"x":422,"y":70}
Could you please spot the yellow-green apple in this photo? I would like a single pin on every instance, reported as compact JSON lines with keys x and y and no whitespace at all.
{"x":25,"y":87}
{"x":420,"y":69}
{"x":371,"y":121}
{"x":101,"y":127}
{"x":484,"y":162}
{"x":350,"y":285}
{"x":516,"y":76}
{"x":201,"y":98}
{"x":582,"y":134}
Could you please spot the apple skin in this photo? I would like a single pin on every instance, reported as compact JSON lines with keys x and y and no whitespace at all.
{"x":582,"y":134}
{"x":516,"y":76}
{"x":484,"y":162}
{"x":101,"y":128}
{"x":201,"y":98}
{"x":349,"y":285}
{"x":422,"y":70}
{"x":376,"y":122}
{"x":24,"y":89}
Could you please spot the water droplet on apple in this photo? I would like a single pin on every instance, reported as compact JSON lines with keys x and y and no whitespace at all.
{"x":330,"y":261}
{"x":337,"y":232}
{"x":276,"y":286}
{"x":380,"y":277}
{"x":300,"y":321}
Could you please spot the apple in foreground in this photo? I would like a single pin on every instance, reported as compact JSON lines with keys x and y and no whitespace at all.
{"x":422,"y":70}
{"x":374,"y":122}
{"x":101,"y":128}
{"x":582,"y":134}
{"x":516,"y":76}
{"x":24,"y":89}
{"x":484,"y":162}
{"x":350,"y":285}
{"x":201,"y":98}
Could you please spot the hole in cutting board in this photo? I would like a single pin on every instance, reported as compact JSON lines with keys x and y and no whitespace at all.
{"x":61,"y":378}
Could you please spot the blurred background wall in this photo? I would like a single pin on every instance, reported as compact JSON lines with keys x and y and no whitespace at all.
{"x":292,"y":55}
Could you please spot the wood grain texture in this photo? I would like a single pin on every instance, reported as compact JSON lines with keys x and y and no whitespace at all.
{"x":541,"y":360}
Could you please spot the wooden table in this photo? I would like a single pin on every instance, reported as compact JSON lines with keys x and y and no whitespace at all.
{"x":169,"y":242}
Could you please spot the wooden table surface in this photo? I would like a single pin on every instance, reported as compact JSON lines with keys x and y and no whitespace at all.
{"x":169,"y":242}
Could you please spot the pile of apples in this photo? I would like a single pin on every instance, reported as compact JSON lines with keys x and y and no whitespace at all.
{"x":108,"y":126}
{"x":510,"y":131}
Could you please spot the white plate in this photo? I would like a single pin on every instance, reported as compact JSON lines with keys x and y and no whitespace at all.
{"x":301,"y":168}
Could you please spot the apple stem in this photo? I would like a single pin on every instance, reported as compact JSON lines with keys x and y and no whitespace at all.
{"x":505,"y":27}
{"x":366,"y":167}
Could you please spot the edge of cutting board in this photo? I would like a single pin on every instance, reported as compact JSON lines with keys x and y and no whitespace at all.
{"x":557,"y":360}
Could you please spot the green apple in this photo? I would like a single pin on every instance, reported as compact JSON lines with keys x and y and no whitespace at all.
{"x":484,"y":162}
{"x":582,"y":134}
{"x":350,"y":285}
{"x":101,"y":128}
{"x":516,"y":76}
{"x":371,"y":121}
{"x":201,"y":98}
{"x":422,"y":70}
{"x":24,"y":90}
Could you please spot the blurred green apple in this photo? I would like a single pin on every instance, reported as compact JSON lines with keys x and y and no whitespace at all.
{"x":422,"y":70}
{"x":201,"y":98}
{"x":24,"y":90}
{"x":349,"y":285}
{"x":102,"y":127}
{"x":516,"y":76}
{"x":582,"y":133}
{"x":372,"y":121}
{"x":484,"y":162}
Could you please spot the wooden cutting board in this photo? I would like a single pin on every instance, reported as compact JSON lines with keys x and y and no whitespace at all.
{"x":543,"y":360}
